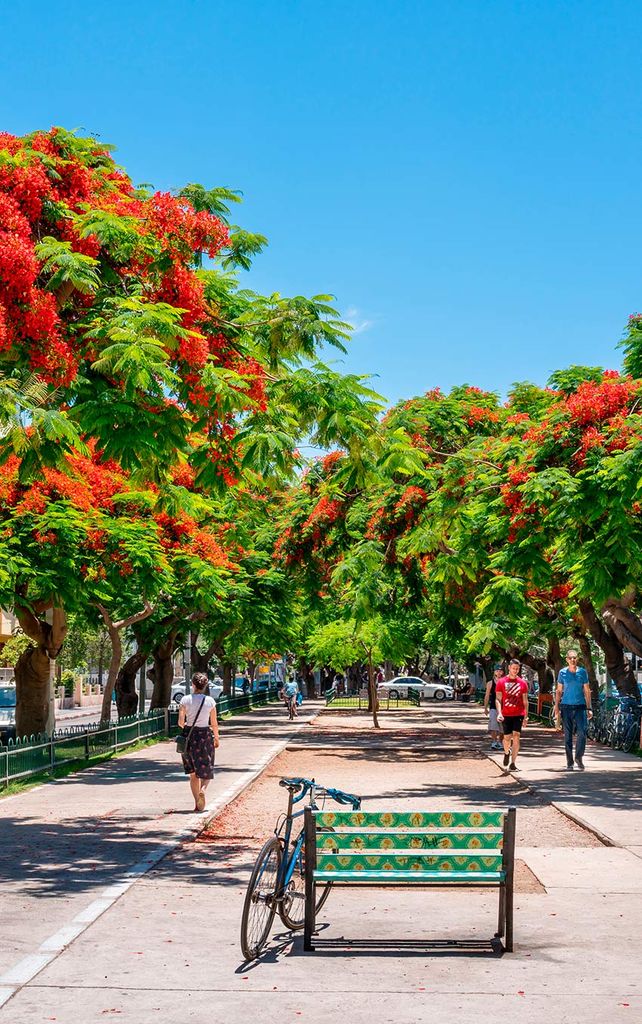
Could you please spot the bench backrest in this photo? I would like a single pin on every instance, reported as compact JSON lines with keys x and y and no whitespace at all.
{"x":412,"y":840}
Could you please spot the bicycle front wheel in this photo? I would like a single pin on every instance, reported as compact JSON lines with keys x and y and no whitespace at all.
{"x":260,"y":900}
{"x":292,"y":904}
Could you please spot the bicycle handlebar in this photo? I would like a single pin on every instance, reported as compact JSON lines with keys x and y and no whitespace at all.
{"x":303,"y":786}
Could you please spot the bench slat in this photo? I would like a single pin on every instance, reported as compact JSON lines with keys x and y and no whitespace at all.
{"x":444,"y":862}
{"x":404,"y":839}
{"x":419,"y":877}
{"x":409,"y":819}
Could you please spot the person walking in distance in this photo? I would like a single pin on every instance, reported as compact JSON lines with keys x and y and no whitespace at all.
{"x":511,"y":702}
{"x":490,"y":708}
{"x":197,"y":718}
{"x":573,"y":693}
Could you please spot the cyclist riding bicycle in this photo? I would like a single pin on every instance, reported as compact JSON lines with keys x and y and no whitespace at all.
{"x":290,"y":694}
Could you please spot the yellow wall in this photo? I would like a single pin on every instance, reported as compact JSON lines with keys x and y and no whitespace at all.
{"x":7,"y":626}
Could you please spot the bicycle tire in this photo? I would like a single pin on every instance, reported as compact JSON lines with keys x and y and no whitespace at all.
{"x":298,"y":877}
{"x":255,"y":927}
{"x":631,"y":737}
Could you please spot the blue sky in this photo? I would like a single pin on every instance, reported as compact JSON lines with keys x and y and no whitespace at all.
{"x":464,"y":177}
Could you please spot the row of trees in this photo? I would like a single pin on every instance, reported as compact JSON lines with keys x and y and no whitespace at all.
{"x":486,"y":529}
{"x":150,"y":413}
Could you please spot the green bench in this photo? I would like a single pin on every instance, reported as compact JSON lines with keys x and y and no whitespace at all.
{"x":406,"y":848}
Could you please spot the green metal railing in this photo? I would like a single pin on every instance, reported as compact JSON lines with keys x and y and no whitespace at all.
{"x":245,"y":702}
{"x":361,"y":702}
{"x":32,"y":755}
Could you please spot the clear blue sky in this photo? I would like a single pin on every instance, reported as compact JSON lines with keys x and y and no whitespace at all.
{"x":464,"y":177}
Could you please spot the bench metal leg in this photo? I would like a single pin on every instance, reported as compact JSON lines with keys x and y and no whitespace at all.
{"x":509,"y":917}
{"x":509,"y":855}
{"x":310,"y":887}
{"x":310,"y":923}
{"x":501,"y":916}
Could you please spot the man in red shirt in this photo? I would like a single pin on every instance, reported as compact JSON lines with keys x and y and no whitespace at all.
{"x":511,"y":699}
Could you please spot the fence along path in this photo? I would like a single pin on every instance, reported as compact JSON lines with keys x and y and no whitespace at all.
{"x":22,"y":758}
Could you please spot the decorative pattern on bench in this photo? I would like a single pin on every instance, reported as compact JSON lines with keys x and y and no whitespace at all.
{"x":410,"y":819}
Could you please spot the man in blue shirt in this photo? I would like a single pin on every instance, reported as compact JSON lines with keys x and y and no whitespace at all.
{"x":573,"y":693}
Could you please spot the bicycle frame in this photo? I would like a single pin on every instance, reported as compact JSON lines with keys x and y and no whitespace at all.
{"x":289,"y":860}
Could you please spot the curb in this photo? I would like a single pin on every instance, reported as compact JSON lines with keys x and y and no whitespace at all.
{"x":585,"y":825}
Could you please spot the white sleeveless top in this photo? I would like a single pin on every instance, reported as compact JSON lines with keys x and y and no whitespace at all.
{"x":192,"y":703}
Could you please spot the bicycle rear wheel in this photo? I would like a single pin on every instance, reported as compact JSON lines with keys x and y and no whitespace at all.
{"x":292,"y":905}
{"x":259,"y":907}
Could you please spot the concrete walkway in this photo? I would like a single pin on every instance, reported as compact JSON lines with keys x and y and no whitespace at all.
{"x":607,"y":797}
{"x":69,"y":848}
{"x":167,"y":946}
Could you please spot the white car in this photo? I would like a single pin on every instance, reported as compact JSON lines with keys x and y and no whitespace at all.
{"x":178,"y":691}
{"x":399,"y":686}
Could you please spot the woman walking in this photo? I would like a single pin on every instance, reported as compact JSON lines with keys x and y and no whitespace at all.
{"x":197,"y":719}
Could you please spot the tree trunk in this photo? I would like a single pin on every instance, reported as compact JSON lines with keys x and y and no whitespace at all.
{"x":114,"y":665}
{"x":538,"y":665}
{"x":372,"y":692}
{"x":388,"y":670}
{"x":554,"y":656}
{"x":34,"y":669}
{"x":589,"y":665}
{"x":126,"y":695}
{"x":624,"y":624}
{"x":306,"y":671}
{"x":33,"y":688}
{"x":617,"y":666}
{"x":115,"y":630}
{"x":228,"y":678}
{"x":201,"y":662}
{"x":163,"y":672}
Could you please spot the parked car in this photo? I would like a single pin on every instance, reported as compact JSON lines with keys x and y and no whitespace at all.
{"x":7,"y":713}
{"x":178,"y":691}
{"x":399,"y":686}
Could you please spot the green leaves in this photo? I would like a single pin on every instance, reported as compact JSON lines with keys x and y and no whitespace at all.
{"x":211,"y":200}
{"x":66,"y":270}
{"x":38,"y":434}
{"x":119,"y":235}
{"x":243,"y":246}
{"x":292,"y":329}
{"x":138,"y":335}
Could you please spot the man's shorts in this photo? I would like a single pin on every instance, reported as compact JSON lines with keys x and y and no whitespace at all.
{"x":512,"y":723}
{"x":492,"y":720}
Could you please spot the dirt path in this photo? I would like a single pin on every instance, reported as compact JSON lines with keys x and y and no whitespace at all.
{"x":422,"y":764}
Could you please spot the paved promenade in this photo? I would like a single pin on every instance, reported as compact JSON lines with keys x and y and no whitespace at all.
{"x":166,"y":947}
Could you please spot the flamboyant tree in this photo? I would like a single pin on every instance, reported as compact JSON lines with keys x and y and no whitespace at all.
{"x":126,"y":339}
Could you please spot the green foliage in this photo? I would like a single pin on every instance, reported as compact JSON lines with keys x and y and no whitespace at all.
{"x":61,"y":266}
{"x":13,"y":648}
{"x":569,"y":380}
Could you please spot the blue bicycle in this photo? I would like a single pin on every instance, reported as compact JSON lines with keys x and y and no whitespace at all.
{"x":277,"y":881}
